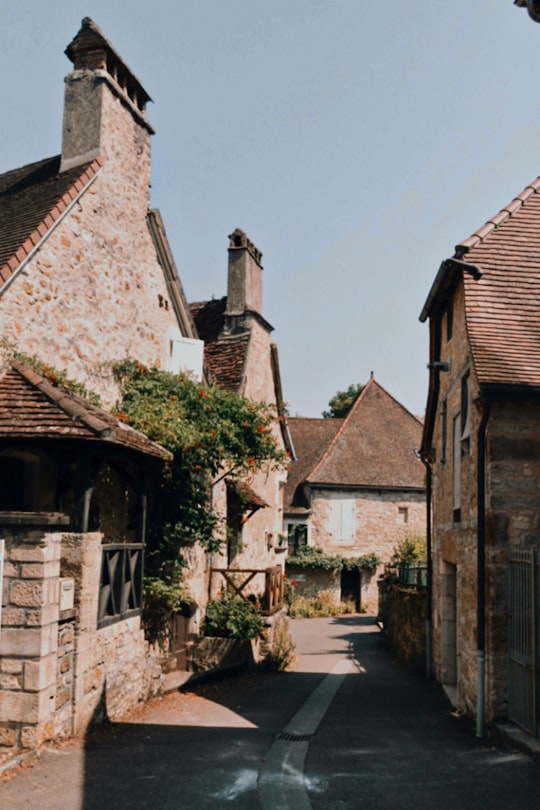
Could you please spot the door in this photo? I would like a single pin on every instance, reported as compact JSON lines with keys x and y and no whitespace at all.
{"x":351,"y":587}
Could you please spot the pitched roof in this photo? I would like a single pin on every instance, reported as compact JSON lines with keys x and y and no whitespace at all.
{"x":500,"y":267}
{"x":310,"y":438}
{"x":33,"y":199}
{"x":374,"y":447}
{"x":224,"y":352}
{"x":502,"y":306}
{"x":32,"y":407}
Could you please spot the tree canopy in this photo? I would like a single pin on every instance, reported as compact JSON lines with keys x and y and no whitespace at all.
{"x":342,"y":402}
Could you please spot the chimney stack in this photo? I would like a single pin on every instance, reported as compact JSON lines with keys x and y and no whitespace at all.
{"x":244,"y":289}
{"x":98,"y":74}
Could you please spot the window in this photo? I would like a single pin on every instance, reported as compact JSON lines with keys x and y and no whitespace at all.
{"x":296,"y":536}
{"x":465,"y":414}
{"x":341,"y":519}
{"x":456,"y":468}
{"x":449,"y":321}
{"x":444,"y":430}
{"x":120,"y":593}
{"x":403,"y":513}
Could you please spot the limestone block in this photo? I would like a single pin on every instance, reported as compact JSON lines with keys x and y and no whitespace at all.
{"x":26,"y":593}
{"x":19,"y":707}
{"x":8,"y":737}
{"x":13,"y":666}
{"x":40,"y":570}
{"x":40,"y":674}
{"x":48,"y":614}
{"x":9,"y":681}
{"x":20,"y":642}
{"x":13,"y":617}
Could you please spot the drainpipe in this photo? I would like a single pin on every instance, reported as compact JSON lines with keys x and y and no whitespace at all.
{"x":429,"y":571}
{"x":481,"y":572}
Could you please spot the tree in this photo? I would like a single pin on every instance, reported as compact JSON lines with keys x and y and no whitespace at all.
{"x":342,"y":402}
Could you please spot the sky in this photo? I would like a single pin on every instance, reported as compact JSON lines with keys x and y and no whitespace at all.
{"x":355,"y":142}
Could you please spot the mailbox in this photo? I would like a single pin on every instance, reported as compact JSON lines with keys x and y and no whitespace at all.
{"x":67,"y":593}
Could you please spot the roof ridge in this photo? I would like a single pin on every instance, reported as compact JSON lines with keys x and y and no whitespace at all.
{"x":499,"y":218}
{"x":340,"y":430}
{"x":61,"y":207}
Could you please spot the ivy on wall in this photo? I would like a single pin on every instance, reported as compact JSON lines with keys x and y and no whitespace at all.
{"x":312,"y":557}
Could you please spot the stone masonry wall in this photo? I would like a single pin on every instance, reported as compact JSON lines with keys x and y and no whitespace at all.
{"x":29,"y":640}
{"x":379,"y":527}
{"x":454,"y":542}
{"x":113,"y":668}
{"x":95,"y":293}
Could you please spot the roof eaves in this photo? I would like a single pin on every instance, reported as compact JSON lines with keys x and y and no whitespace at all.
{"x":50,"y":221}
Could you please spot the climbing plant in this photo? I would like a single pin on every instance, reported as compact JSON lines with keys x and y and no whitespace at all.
{"x":212,"y":434}
{"x":312,"y":557}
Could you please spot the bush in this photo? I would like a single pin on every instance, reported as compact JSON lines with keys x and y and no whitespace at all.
{"x":281,"y":656}
{"x":320,"y":606}
{"x":233,"y":617}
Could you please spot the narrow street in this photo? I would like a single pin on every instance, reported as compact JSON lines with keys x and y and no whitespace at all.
{"x":346,"y":729}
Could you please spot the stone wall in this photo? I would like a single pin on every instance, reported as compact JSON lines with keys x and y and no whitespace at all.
{"x":379,"y":525}
{"x":512,"y":497}
{"x":95,"y":293}
{"x":404,"y":619}
{"x":29,"y":640}
{"x":58,"y":670}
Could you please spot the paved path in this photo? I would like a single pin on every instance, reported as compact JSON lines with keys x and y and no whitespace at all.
{"x":347,"y":729}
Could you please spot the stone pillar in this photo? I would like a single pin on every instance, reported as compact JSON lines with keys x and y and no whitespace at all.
{"x":28,"y":639}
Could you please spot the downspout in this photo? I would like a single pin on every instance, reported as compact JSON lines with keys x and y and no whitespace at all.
{"x":429,"y":571}
{"x":481,"y":572}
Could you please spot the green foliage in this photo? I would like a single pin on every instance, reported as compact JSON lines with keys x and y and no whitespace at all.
{"x":410,"y":549}
{"x":210,"y":433}
{"x":59,"y":378}
{"x":231,"y":616}
{"x":312,"y":557}
{"x":314,"y":607}
{"x":281,"y":656}
{"x":161,"y":601}
{"x":342,"y":402}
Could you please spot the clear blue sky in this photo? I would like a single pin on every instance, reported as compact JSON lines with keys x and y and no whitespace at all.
{"x":356,"y":142}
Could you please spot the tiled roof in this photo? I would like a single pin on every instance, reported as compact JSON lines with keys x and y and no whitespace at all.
{"x":224,"y":353}
{"x":310,"y":438}
{"x":375,"y":446}
{"x":32,"y":200}
{"x":31,"y":407}
{"x":503,"y":304}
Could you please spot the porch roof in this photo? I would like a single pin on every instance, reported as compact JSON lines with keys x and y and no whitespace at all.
{"x":31,"y":406}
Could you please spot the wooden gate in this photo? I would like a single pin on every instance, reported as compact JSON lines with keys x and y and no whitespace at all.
{"x":523,"y":592}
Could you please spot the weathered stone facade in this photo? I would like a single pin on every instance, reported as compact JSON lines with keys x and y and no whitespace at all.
{"x":58,"y":670}
{"x":381,"y":520}
{"x":511,"y":490}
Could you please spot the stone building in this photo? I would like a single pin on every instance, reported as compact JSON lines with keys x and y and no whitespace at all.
{"x":241,"y":357}
{"x":356,"y":488}
{"x":481,"y":442}
{"x":86,"y":279}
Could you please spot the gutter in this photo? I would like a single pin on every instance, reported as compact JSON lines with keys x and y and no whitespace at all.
{"x":481,"y":571}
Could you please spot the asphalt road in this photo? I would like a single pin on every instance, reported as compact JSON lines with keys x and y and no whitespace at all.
{"x":346,"y":729}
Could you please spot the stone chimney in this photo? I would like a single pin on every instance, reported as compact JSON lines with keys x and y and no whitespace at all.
{"x":244,"y":288}
{"x":92,"y":125}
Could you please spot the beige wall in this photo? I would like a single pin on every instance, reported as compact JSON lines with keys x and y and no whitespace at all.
{"x":378,"y":526}
{"x":91,"y":295}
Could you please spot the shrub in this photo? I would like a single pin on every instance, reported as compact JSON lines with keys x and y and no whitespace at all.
{"x":233,"y":617}
{"x":322,"y":605}
{"x":281,"y":656}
